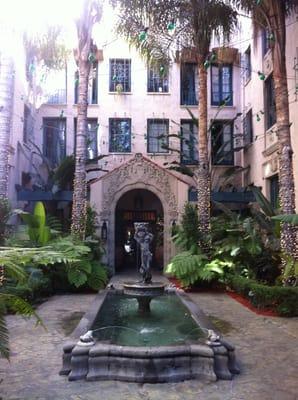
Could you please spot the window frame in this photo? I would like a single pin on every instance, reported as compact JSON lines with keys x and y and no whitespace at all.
{"x":224,"y":162}
{"x":45,"y":125}
{"x":92,"y":90}
{"x":247,"y":64}
{"x":274,"y":189}
{"x":112,"y":120}
{"x":270,"y":102}
{"x":89,"y":120}
{"x":192,"y":160}
{"x":265,"y":41}
{"x":194,"y":95}
{"x":151,"y":121}
{"x":220,"y":84}
{"x":26,"y":122}
{"x":126,"y":82}
{"x":248,"y":134}
{"x":156,"y":81}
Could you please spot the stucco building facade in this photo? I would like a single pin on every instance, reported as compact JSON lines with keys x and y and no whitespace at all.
{"x":140,"y":119}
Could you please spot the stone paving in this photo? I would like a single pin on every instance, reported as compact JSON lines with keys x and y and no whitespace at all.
{"x":266,"y":347}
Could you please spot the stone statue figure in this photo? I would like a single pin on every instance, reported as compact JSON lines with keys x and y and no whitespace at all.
{"x":144,"y":238}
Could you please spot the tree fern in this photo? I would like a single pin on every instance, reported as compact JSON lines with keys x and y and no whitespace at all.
{"x":98,"y":277}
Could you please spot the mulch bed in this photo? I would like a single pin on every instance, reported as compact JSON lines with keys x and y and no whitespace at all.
{"x":235,"y":296}
{"x":246,"y":303}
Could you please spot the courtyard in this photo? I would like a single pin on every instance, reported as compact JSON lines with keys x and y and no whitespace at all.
{"x":266,"y":349}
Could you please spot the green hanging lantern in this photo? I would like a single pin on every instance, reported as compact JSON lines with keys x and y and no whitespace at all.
{"x":206,"y":64}
{"x":162,"y":70}
{"x":258,"y":118}
{"x":258,"y":2}
{"x":213,"y":57}
{"x":261,"y":75}
{"x":114,"y":78}
{"x":31,"y":68}
{"x":143,"y":35}
{"x":91,"y":57}
{"x":171,"y":26}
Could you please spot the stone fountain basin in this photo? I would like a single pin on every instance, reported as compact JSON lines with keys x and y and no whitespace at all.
{"x":146,"y":364}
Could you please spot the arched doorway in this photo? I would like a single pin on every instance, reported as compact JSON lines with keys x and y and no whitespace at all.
{"x":137,"y":205}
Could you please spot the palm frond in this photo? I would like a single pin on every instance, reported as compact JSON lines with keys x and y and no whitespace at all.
{"x":4,"y":338}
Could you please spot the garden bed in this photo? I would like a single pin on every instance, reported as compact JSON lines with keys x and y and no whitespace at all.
{"x":262,"y":299}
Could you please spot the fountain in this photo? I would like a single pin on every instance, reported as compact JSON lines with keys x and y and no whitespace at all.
{"x":145,"y":290}
{"x":146,"y":332}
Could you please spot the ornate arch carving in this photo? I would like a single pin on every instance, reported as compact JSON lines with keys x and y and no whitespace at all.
{"x":138,"y":170}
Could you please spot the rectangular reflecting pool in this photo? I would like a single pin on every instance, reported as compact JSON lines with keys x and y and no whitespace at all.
{"x":167,"y":344}
{"x":168,"y":323}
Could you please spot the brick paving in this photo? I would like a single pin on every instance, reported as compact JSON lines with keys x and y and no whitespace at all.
{"x":267,"y":349}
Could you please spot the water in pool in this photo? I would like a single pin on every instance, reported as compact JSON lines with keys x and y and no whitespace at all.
{"x":169,"y":322}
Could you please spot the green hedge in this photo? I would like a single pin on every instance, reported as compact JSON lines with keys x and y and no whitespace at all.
{"x":284,"y":300}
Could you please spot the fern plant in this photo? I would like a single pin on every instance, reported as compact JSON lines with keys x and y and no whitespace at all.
{"x":190,"y":268}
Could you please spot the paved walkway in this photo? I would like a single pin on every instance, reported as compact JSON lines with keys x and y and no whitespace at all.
{"x":267,"y":349}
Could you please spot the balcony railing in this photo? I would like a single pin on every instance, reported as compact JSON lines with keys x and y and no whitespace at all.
{"x":59,"y":97}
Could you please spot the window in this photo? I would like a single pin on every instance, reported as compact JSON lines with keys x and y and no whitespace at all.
{"x":189,"y":142}
{"x":222,"y":143}
{"x":247,"y":65}
{"x":120,"y":135}
{"x":92,"y":128}
{"x":274,"y":191}
{"x":54,"y":132}
{"x":157,"y":135}
{"x":158,"y":81}
{"x":265,"y":41}
{"x":55,"y":86}
{"x":92,"y":87}
{"x":247,"y":128}
{"x":221,"y":85}
{"x":28,"y":124}
{"x":120,"y":75}
{"x":189,"y":84}
{"x":270,"y":106}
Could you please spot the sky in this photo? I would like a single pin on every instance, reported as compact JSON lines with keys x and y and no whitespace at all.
{"x":33,"y":15}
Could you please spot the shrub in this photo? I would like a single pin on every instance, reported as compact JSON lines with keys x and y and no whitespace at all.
{"x":282,"y":299}
{"x":5,"y":213}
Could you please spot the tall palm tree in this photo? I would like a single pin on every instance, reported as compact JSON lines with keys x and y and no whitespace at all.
{"x":196,"y":21}
{"x":90,"y":14}
{"x":6,"y":100}
{"x":272,"y":15}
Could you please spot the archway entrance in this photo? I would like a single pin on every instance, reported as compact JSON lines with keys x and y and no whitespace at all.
{"x":137,"y":205}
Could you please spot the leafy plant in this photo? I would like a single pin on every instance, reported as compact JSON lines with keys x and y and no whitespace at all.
{"x":5,"y":213}
{"x":64,"y":173}
{"x":39,"y":233}
{"x":287,"y":218}
{"x":189,"y":268}
{"x":186,"y":235}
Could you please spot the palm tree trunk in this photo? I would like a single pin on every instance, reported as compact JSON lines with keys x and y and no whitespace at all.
{"x":79,"y":205}
{"x":203,"y":176}
{"x":6,"y":100}
{"x":286,"y":176}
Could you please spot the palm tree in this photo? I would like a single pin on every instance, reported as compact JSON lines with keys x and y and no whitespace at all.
{"x":271,"y":14}
{"x":196,"y":21}
{"x":91,"y":13}
{"x":6,"y":99}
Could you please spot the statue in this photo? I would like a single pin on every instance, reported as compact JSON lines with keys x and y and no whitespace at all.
{"x":144,"y":238}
